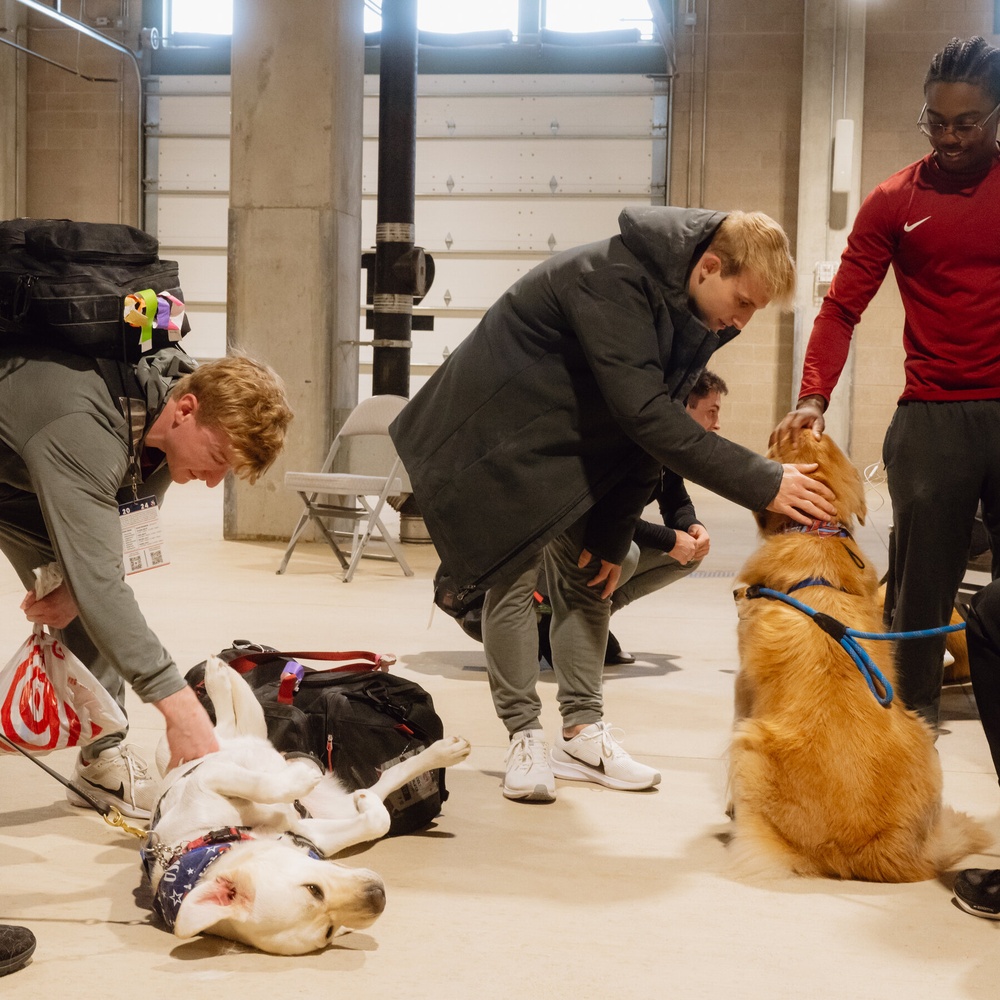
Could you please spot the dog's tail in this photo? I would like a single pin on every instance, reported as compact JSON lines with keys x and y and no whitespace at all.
{"x":954,"y":836}
{"x":237,"y":710}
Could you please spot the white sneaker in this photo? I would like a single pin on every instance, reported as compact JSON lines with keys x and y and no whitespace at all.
{"x":529,"y":777}
{"x":595,"y":754}
{"x":117,"y":777}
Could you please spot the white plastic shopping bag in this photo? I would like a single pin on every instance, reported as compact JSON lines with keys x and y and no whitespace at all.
{"x":48,"y":699}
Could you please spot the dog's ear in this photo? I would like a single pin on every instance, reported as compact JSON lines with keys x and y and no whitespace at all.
{"x":210,"y":902}
{"x":843,"y":478}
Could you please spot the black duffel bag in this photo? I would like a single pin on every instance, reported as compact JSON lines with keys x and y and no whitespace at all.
{"x":357,"y":719}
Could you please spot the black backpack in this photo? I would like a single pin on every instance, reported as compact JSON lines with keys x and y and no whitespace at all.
{"x":356,"y":719}
{"x":65,"y":284}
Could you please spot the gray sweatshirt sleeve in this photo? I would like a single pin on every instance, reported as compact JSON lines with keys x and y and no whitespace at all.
{"x":76,"y":464}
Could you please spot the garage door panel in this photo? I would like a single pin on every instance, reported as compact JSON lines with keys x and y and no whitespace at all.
{"x":191,"y":221}
{"x":524,"y":167}
{"x":457,"y":117}
{"x":501,"y":226}
{"x":203,"y":276}
{"x":191,"y":114}
{"x":193,"y":165}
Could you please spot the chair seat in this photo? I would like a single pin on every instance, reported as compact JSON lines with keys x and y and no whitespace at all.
{"x":340,"y":482}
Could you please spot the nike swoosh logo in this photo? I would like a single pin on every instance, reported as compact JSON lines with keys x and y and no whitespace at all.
{"x":908,"y":227}
{"x":119,"y":791}
{"x":599,"y":766}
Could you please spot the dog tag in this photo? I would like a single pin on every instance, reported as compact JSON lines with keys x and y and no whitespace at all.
{"x":142,"y":535}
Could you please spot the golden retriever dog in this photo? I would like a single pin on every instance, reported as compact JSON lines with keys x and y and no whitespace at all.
{"x":824,"y":779}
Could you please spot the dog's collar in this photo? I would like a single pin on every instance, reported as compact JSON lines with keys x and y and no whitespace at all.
{"x":827,"y":529}
{"x":811,"y":581}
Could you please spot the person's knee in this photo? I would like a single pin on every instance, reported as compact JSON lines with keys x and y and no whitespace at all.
{"x":984,"y":617}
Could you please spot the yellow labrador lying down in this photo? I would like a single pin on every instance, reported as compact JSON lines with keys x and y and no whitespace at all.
{"x":239,"y":842}
{"x":824,"y":780}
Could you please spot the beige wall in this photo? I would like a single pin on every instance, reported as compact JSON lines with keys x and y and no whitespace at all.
{"x":902,"y":36}
{"x":752,"y":109}
{"x":82,"y":135}
{"x":81,"y":154}
{"x":754,"y":59}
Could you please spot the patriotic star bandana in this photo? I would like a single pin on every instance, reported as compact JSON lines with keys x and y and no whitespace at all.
{"x":183,"y":873}
{"x":182,"y":876}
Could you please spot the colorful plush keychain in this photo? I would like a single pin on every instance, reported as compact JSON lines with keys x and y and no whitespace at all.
{"x":148,"y":310}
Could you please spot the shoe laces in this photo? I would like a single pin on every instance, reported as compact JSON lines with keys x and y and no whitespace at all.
{"x":608,"y":739}
{"x":525,"y":751}
{"x":138,"y":769}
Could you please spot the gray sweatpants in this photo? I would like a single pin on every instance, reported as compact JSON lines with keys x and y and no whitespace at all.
{"x":654,"y":570}
{"x":941,"y":459}
{"x":578,"y":635}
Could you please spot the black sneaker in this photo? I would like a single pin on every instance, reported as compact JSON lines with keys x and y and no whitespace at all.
{"x":614,"y":655}
{"x":17,"y":945}
{"x":977,"y":891}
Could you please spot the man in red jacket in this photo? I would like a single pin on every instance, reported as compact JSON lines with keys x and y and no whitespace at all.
{"x":937,"y":222}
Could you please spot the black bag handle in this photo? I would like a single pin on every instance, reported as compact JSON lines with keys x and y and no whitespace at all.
{"x":356,"y":659}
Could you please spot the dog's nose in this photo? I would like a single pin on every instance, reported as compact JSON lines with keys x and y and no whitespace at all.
{"x":375,"y":897}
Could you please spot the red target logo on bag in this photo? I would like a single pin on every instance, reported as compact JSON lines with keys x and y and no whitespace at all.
{"x":34,"y":714}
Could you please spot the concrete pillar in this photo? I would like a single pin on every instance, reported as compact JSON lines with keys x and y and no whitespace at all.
{"x":833,"y":71}
{"x":295,"y":227}
{"x":13,"y":109}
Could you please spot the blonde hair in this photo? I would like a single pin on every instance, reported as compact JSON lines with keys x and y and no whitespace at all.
{"x":245,"y":399}
{"x":753,"y":243}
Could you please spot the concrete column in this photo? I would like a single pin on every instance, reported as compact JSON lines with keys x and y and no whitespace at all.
{"x":833,"y":70}
{"x":295,"y":227}
{"x":13,"y":109}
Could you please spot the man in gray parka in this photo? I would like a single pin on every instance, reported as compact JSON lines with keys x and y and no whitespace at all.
{"x":539,"y":439}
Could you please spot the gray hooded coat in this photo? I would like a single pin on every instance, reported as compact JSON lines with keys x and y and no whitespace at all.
{"x":569,"y":394}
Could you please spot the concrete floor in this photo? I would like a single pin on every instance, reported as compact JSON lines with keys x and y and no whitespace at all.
{"x":602,"y":894}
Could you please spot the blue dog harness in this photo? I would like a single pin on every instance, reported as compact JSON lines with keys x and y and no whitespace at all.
{"x":877,"y":682}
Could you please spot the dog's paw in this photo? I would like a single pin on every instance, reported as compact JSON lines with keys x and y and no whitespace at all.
{"x":302,"y":777}
{"x":450,"y":750}
{"x":375,"y":816}
{"x":365,"y":801}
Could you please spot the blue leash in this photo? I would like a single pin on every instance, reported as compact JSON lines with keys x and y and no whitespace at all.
{"x":848,"y":637}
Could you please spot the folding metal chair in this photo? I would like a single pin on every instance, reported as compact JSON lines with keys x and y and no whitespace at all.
{"x":372,"y":469}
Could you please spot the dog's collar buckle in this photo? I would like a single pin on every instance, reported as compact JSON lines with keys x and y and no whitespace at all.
{"x":224,"y":835}
{"x":825,"y":529}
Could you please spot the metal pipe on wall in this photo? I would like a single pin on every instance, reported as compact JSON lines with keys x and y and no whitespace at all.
{"x":396,"y":262}
{"x":704,"y":112}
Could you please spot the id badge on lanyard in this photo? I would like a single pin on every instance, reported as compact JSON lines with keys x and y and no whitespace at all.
{"x":142,"y":535}
{"x":139,"y":518}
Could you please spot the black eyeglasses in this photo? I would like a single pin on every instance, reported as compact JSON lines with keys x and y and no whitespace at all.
{"x":934,"y":130}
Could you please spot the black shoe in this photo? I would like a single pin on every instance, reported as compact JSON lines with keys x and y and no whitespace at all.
{"x":17,"y":945}
{"x":614,"y":655}
{"x":977,"y":891}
